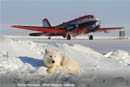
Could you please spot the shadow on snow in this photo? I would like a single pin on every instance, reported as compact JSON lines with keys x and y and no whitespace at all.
{"x":34,"y":62}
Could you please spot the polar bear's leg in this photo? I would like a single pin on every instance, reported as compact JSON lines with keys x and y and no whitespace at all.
{"x":66,"y":70}
{"x":52,"y":69}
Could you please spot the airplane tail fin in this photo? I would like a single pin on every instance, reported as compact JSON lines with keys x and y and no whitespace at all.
{"x":45,"y":23}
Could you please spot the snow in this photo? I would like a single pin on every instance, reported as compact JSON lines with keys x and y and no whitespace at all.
{"x":21,"y":63}
{"x":102,"y":45}
{"x":119,"y":55}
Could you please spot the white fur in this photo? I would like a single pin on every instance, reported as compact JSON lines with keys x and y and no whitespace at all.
{"x":63,"y":63}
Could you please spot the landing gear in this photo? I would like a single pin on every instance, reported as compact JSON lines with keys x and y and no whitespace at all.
{"x":90,"y":37}
{"x":68,"y":37}
{"x":49,"y":37}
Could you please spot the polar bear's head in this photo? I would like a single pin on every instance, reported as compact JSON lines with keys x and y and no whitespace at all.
{"x":52,"y":58}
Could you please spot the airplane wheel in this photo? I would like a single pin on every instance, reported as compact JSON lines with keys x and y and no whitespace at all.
{"x":68,"y":37}
{"x":91,"y":37}
{"x":49,"y":37}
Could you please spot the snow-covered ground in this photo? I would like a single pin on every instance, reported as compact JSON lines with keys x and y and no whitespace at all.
{"x":100,"y":44}
{"x":21,"y":64}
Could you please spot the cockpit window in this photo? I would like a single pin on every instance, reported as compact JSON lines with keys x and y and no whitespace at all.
{"x":90,"y":17}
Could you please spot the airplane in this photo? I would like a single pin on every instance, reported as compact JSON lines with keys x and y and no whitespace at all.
{"x":83,"y":25}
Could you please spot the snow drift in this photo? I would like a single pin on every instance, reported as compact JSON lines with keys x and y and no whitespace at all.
{"x":119,"y":55}
{"x":21,"y":63}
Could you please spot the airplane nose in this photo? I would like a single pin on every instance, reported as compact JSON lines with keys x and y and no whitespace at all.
{"x":97,"y":19}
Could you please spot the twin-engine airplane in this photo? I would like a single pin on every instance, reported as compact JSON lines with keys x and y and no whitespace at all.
{"x":82,"y":25}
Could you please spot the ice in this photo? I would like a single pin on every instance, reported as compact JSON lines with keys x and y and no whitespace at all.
{"x":21,"y":61}
{"x":119,"y":55}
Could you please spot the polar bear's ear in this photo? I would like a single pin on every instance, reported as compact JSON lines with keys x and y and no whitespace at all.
{"x":46,"y":50}
{"x":56,"y":51}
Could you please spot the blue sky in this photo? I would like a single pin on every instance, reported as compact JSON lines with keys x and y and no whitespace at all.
{"x":110,"y":12}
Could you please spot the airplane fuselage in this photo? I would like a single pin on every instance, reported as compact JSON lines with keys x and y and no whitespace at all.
{"x":87,"y":22}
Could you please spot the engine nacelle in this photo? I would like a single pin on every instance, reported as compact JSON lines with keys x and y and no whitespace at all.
{"x":64,"y":35}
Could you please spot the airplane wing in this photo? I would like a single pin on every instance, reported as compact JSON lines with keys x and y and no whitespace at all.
{"x":106,"y":30}
{"x":41,"y":29}
{"x":77,"y":32}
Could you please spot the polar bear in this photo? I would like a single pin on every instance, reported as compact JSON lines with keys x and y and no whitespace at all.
{"x":56,"y":61}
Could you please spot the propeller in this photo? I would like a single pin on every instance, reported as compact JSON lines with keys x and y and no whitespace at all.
{"x":99,"y":24}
